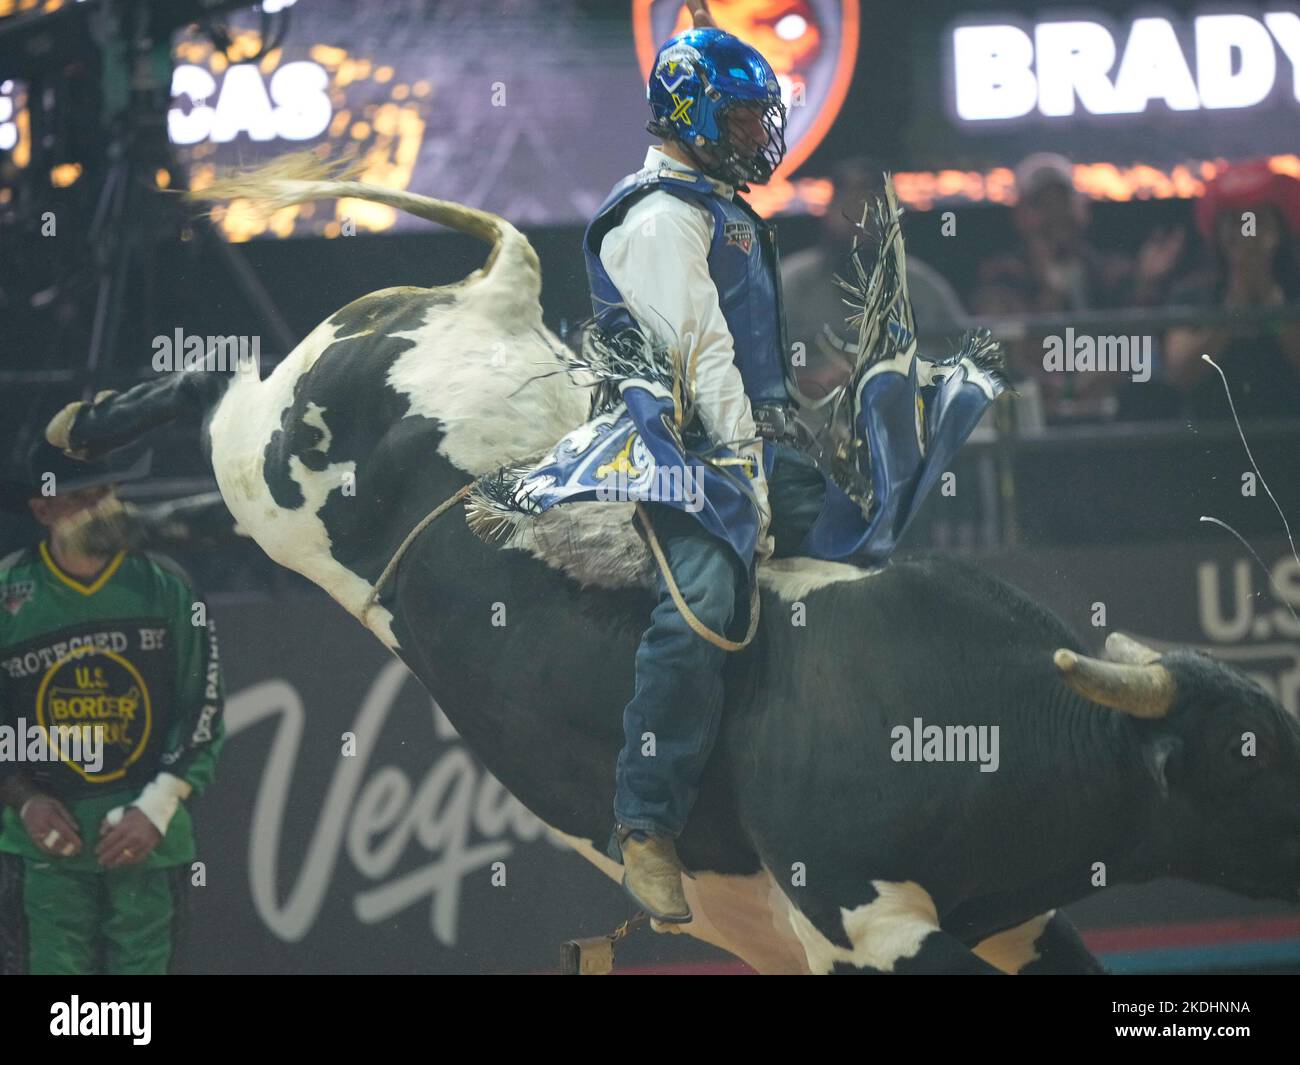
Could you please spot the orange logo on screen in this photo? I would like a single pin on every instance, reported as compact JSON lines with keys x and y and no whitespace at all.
{"x":811,"y":44}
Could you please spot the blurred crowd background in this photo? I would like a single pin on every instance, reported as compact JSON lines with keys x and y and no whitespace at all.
{"x":1133,"y":274}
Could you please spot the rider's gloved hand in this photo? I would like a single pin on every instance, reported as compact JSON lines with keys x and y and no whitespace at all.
{"x":766,"y":544}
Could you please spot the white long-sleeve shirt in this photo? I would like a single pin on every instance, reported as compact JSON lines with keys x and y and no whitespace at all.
{"x":658,"y":259}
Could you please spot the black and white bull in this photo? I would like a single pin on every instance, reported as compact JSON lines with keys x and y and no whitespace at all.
{"x":812,"y":847}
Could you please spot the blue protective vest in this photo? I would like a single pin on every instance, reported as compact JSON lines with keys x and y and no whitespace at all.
{"x":910,"y":414}
{"x":743,"y":263}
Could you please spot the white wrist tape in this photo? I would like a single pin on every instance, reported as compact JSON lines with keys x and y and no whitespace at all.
{"x":160,"y":798}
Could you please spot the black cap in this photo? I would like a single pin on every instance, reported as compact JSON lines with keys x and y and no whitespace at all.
{"x":27,"y":479}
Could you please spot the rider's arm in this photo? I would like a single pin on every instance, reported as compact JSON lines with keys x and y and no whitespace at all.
{"x":658,"y":259}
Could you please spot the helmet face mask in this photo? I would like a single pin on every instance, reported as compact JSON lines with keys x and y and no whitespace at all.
{"x":719,"y":98}
{"x":753,"y":140}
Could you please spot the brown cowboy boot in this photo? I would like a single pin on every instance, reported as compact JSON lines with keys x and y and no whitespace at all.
{"x":652,"y":875}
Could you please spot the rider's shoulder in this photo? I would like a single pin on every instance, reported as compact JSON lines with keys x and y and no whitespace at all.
{"x":659,"y":202}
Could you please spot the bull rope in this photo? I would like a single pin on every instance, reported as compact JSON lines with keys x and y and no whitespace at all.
{"x":697,"y":626}
{"x":433,"y":515}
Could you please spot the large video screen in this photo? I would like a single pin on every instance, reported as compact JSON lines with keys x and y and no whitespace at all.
{"x":1148,"y":100}
{"x":531,"y":109}
{"x":534,"y":108}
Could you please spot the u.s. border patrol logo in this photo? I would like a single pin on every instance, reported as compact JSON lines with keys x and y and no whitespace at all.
{"x":16,"y":595}
{"x":739,"y":233}
{"x":103,"y":690}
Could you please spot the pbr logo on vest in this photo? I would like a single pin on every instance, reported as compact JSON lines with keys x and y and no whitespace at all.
{"x":740,"y":234}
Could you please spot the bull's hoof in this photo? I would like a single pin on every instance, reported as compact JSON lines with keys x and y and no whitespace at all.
{"x":59,"y":430}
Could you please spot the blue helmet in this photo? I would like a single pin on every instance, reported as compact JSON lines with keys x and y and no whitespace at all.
{"x":719,"y":97}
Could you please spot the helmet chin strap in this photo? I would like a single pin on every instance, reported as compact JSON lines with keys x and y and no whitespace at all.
{"x":735,"y":180}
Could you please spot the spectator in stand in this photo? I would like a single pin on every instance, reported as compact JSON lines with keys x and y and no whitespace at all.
{"x":814,"y":304}
{"x":1250,"y":218}
{"x":1056,"y":270}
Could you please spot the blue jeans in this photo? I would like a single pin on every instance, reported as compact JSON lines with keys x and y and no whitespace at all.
{"x":671,"y":723}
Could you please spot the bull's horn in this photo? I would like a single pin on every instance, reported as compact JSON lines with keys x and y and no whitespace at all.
{"x":1121,"y":648}
{"x":1145,"y":691}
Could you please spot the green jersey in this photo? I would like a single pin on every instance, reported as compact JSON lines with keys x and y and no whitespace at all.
{"x":130,"y":656}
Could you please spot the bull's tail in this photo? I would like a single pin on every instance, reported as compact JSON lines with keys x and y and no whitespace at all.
{"x":512,"y":267}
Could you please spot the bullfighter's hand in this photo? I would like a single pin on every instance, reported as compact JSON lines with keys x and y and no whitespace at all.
{"x":51,"y":827}
{"x":126,"y":841}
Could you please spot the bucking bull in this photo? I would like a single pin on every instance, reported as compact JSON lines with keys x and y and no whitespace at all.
{"x":813,"y":847}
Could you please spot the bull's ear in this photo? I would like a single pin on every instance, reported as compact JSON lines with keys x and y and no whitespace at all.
{"x":1164,"y":759}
